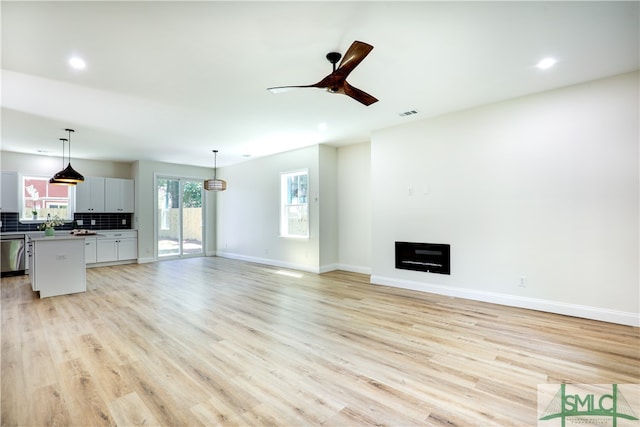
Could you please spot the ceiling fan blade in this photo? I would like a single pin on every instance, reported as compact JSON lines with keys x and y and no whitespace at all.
{"x":358,"y":95}
{"x":354,"y":56}
{"x":280,"y":89}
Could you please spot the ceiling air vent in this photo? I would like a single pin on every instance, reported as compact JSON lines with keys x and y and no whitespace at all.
{"x":408,"y":113}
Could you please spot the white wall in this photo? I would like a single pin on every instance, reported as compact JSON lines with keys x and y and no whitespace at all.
{"x":32,"y":164}
{"x":328,"y":210}
{"x":354,"y":207}
{"x":248,"y":213}
{"x":544,"y":187}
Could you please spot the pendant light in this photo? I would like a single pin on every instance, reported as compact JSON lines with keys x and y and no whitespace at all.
{"x":69,"y":175}
{"x":215,"y":184}
{"x":53,"y":180}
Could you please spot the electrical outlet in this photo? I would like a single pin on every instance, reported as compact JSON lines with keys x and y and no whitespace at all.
{"x":523,"y":282}
{"x":93,"y":222}
{"x":79,"y":222}
{"x":124,"y":222}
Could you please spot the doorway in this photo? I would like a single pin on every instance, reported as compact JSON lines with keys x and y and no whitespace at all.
{"x":180,"y":217}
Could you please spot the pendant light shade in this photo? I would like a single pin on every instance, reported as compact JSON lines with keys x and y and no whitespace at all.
{"x":68,"y":175}
{"x":215,"y":184}
{"x":53,"y":180}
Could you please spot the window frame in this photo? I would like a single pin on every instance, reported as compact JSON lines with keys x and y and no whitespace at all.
{"x":25,"y":215}
{"x":285,"y":206}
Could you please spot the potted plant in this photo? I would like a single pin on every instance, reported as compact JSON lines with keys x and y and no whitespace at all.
{"x":34,"y":214}
{"x":49,"y":224}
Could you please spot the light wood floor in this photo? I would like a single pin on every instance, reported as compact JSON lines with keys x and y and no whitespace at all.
{"x":208,"y":341}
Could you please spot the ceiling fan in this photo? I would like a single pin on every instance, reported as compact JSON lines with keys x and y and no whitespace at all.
{"x":336,"y":82}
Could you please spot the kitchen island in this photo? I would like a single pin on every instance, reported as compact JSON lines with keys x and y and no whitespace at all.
{"x":57,"y":265}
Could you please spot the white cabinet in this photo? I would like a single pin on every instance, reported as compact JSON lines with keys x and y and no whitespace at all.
{"x":110,"y":195}
{"x":90,"y":196}
{"x":127,"y":249}
{"x":106,"y":250}
{"x":119,"y":195}
{"x":9,"y":196}
{"x":90,"y":254}
{"x":117,"y":246}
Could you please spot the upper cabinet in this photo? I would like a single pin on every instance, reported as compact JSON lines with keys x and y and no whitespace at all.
{"x":9,"y":196}
{"x":110,"y":195}
{"x":119,"y":195}
{"x":90,"y":195}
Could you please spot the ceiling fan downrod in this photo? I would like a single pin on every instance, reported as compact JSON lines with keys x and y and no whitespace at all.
{"x":334,"y":57}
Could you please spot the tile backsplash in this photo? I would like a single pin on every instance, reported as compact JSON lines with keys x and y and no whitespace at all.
{"x":103,"y":221}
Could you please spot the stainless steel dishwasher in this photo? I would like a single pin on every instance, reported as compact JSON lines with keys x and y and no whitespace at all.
{"x":12,"y":252}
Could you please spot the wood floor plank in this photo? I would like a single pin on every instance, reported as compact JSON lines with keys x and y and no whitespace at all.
{"x":213,"y":341}
{"x":48,"y":408}
{"x":130,"y":410}
{"x":81,"y":395}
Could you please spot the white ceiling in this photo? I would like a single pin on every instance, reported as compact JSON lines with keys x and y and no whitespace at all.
{"x":171,"y":81}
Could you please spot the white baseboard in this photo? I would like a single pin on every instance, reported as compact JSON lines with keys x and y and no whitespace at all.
{"x":268,"y":261}
{"x":353,"y":268}
{"x":276,"y":263}
{"x":328,"y":267}
{"x":576,"y":310}
{"x":112,"y":263}
{"x":146,"y":260}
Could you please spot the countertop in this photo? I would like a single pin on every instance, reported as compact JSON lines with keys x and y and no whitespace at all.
{"x":60,"y":235}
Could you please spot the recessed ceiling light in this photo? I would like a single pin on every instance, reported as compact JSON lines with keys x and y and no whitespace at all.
{"x":546,"y":63}
{"x":77,"y":63}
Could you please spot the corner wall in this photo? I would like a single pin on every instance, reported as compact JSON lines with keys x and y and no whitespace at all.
{"x":248,"y":213}
{"x":354,"y":207}
{"x":544,"y":188}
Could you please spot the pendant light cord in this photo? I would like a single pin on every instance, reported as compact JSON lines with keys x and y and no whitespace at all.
{"x":69,"y":130}
{"x":215,"y":164}
{"x":63,"y":141}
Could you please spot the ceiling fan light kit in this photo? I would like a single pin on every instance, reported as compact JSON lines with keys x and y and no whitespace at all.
{"x":68,"y":175}
{"x":336,"y":82}
{"x":215,"y":184}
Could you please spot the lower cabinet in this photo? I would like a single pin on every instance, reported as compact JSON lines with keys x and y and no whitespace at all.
{"x":90,"y":250}
{"x":115,"y":246}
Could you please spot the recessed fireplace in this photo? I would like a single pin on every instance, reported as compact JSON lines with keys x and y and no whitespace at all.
{"x":429,"y":257}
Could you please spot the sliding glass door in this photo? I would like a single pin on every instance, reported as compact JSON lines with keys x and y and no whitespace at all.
{"x":180,"y":217}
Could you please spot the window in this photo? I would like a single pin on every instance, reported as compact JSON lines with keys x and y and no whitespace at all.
{"x":294,"y":216}
{"x":45,"y":199}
